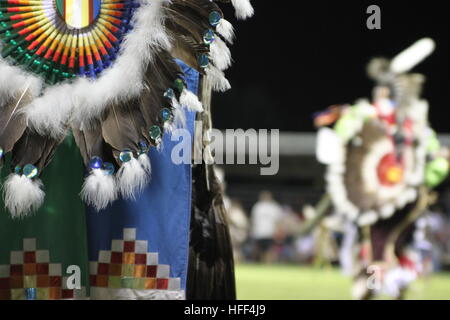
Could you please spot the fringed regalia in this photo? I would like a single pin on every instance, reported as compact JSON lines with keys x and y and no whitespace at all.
{"x":122,"y":77}
{"x":382,"y":159}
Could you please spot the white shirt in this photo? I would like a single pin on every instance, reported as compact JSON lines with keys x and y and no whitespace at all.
{"x":265,"y":216}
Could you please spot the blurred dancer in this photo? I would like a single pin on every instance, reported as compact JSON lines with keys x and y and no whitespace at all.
{"x":264,"y":218}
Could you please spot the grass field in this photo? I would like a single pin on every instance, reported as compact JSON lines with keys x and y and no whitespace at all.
{"x":282,"y":282}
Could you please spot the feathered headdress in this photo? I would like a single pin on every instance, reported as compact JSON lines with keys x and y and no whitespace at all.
{"x":104,"y":69}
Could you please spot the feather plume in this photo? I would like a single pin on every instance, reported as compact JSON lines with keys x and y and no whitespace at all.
{"x":22,"y":195}
{"x":243,"y":9}
{"x":99,"y":189}
{"x":217,"y":79}
{"x":132,"y":178}
{"x":226,"y":30}
{"x":190,"y":100}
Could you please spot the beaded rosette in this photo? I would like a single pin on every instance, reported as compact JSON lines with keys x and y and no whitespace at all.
{"x":62,"y":39}
{"x":105,"y":70}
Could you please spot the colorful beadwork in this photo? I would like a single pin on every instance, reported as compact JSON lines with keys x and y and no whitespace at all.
{"x":63,"y":39}
{"x":130,"y":265}
{"x":31,"y":276}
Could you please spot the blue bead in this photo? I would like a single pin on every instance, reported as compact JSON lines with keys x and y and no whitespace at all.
{"x":30,"y":294}
{"x":209,"y":36}
{"x":109,"y":168}
{"x":30,"y":171}
{"x":143,"y":147}
{"x":203,"y":60}
{"x":95,"y":163}
{"x":126,"y":155}
{"x":214,"y":18}
{"x":18,"y":170}
{"x":166,"y":114}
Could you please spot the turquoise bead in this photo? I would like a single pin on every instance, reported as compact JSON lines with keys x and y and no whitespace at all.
{"x":203,"y":60}
{"x":109,"y":168}
{"x":30,"y":171}
{"x":209,"y":37}
{"x":214,"y":18}
{"x":169,"y":94}
{"x":155,"y":132}
{"x":126,"y":156}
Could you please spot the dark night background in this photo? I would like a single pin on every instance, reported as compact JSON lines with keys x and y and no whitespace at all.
{"x":296,"y":57}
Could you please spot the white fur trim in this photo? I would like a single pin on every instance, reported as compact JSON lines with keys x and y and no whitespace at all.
{"x":329,"y":147}
{"x":144,"y":160}
{"x":220,"y":54}
{"x":132,"y":178}
{"x":217,"y":79}
{"x":243,"y":9}
{"x":85,"y":99}
{"x":22,"y":195}
{"x":190,"y":100}
{"x":226,"y":30}
{"x":99,"y":189}
{"x":387,"y":211}
{"x":13,"y":81}
{"x":368,"y":218}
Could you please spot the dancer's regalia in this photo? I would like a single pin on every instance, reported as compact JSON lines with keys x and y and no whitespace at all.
{"x":382,"y":161}
{"x":117,"y":75}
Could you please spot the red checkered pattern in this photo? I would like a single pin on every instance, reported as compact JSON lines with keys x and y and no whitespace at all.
{"x":129,"y":265}
{"x":31,"y":269}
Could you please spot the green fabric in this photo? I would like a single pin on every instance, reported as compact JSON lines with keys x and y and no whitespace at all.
{"x":59,"y":226}
{"x":347,"y":124}
{"x":436,"y":171}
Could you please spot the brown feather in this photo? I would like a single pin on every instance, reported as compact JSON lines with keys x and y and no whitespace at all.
{"x":12,"y":122}
{"x":35,"y":149}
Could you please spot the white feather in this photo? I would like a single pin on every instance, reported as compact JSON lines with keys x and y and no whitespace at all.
{"x":217,"y":79}
{"x":99,"y":189}
{"x":22,"y":195}
{"x":226,"y":30}
{"x":144,"y":160}
{"x":179,"y":116}
{"x":132,"y":178}
{"x":169,"y":127}
{"x":243,"y":9}
{"x":220,"y":54}
{"x":190,"y":100}
{"x":412,"y":56}
{"x":85,"y":99}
